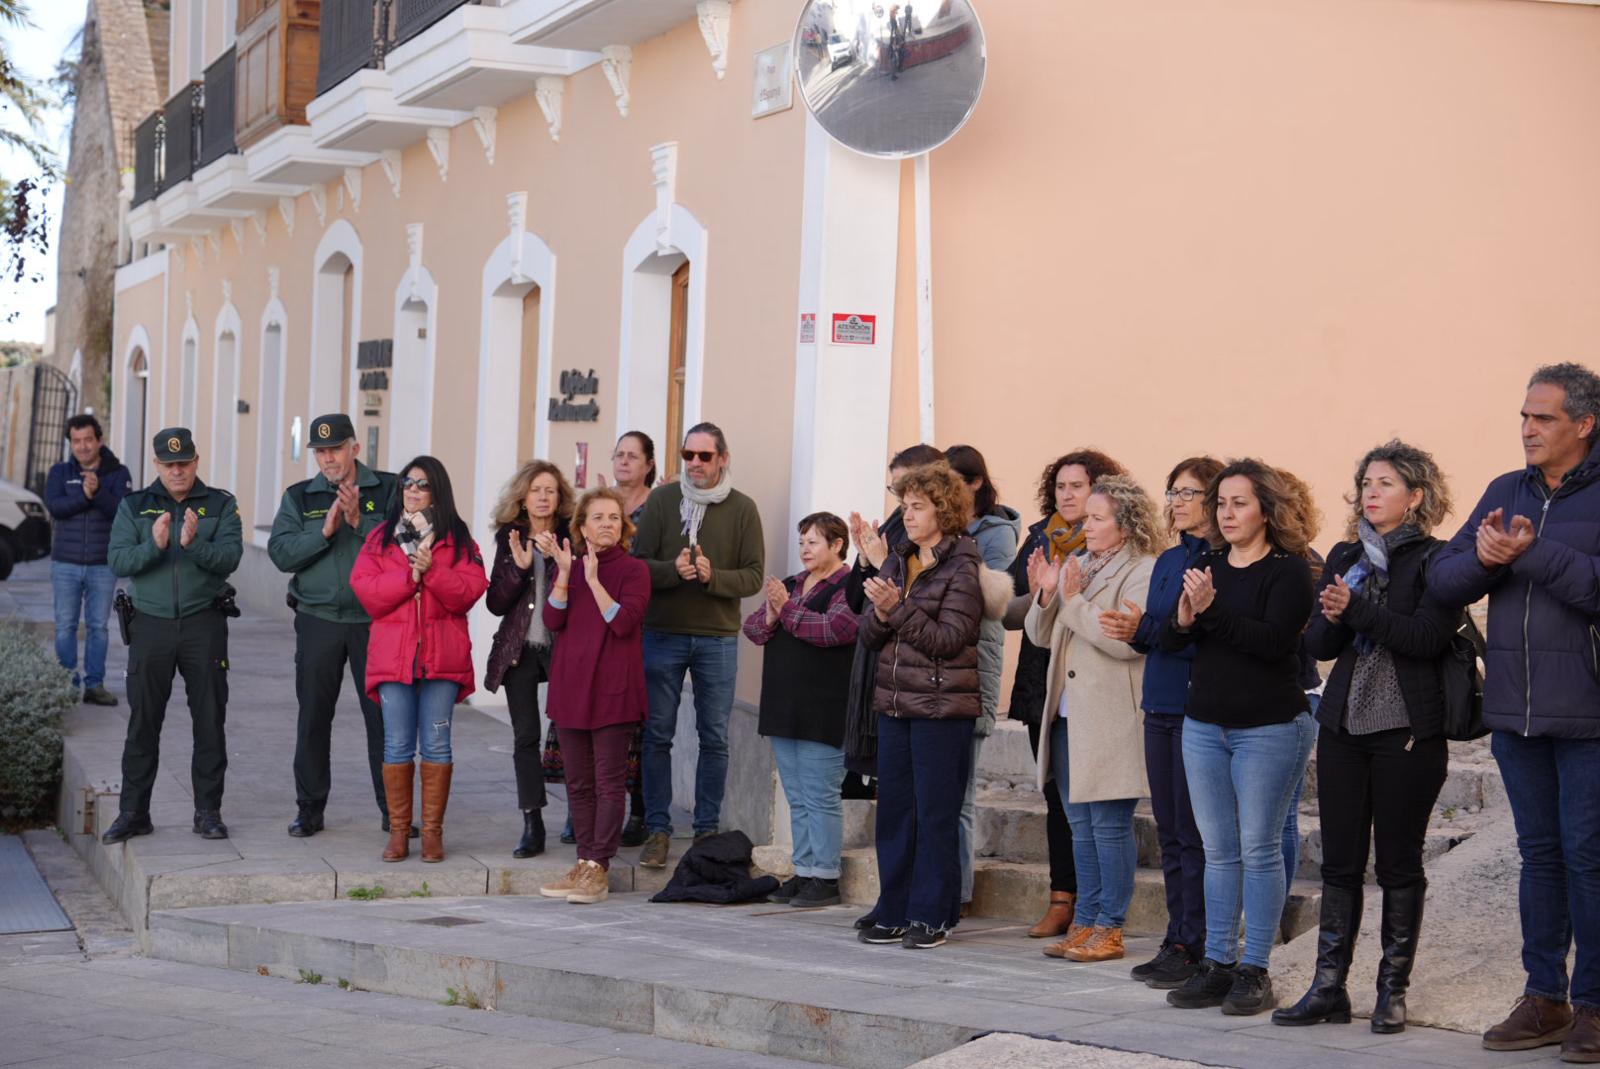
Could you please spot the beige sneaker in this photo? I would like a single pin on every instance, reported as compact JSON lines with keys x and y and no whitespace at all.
{"x":564,"y":886}
{"x":654,"y":854}
{"x":592,"y":885}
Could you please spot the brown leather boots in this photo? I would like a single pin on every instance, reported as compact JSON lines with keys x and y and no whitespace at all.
{"x":1057,"y":919}
{"x":397,"y":781}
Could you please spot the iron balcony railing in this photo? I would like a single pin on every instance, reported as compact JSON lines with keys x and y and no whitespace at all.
{"x":411,"y":17}
{"x":184,"y":113}
{"x":353,"y":35}
{"x":216,"y":123}
{"x":147,"y":137}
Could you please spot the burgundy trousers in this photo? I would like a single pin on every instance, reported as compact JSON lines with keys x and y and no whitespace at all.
{"x":597,"y":787}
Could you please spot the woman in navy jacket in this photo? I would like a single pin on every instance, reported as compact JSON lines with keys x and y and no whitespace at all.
{"x":1166,"y":689}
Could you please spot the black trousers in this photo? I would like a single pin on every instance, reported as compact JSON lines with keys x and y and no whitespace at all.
{"x":1372,"y":791}
{"x":322,"y":650}
{"x":522,"y":702}
{"x":1058,"y":833}
{"x":197,"y":648}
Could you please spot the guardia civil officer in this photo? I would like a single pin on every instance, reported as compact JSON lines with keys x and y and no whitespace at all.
{"x":176,"y":541}
{"x":318,"y":531}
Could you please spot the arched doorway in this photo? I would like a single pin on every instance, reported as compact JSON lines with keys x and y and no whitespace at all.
{"x":269,"y":424}
{"x":135,"y":414}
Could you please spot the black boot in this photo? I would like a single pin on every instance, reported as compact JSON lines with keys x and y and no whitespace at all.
{"x":532,"y":843}
{"x":1336,"y":943}
{"x":1402,"y":924}
{"x":633,"y":832}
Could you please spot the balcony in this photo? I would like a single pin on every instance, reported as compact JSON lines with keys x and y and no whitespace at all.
{"x":277,"y":66}
{"x":590,"y":25}
{"x":466,"y":59}
{"x":411,"y":17}
{"x":184,"y":113}
{"x":353,"y":36}
{"x":147,"y":139}
{"x":216,"y":123}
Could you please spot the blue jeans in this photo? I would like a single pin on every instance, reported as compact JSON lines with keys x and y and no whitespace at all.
{"x":1103,"y":848}
{"x":1240,"y":783}
{"x":1291,"y":822}
{"x":811,"y":773}
{"x":711,"y":662}
{"x":416,"y":713}
{"x":1554,"y":788}
{"x":921,"y":765}
{"x":88,"y":587}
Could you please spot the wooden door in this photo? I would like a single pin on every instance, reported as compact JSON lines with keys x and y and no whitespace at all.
{"x":677,"y":347}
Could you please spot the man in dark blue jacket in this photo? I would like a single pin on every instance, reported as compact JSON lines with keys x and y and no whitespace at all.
{"x":83,"y":494}
{"x":1532,"y":545}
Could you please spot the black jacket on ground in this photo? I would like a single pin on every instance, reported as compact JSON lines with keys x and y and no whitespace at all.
{"x":1413,"y":626}
{"x":717,"y":869}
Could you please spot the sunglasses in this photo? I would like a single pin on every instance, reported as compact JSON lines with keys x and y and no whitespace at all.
{"x":408,"y":483}
{"x":705,"y":456}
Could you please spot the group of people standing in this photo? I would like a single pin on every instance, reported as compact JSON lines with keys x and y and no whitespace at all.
{"x":1173,"y":660}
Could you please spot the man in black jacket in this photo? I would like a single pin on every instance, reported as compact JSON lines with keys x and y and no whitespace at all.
{"x":82,"y":495}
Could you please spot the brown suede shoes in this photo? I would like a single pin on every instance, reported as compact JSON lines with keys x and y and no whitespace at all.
{"x":1103,"y":944}
{"x":1533,"y":1022}
{"x":1077,"y":935}
{"x":1583,"y":1041}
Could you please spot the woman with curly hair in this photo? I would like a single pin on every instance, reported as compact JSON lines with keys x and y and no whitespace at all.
{"x":1062,"y":494}
{"x":1381,"y":752}
{"x":926,"y":605}
{"x":1092,"y":716}
{"x":1249,"y":732}
{"x":537,"y":500}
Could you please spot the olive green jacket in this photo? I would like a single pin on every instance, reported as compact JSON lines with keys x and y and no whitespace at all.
{"x":321,"y":566}
{"x":178,"y":581}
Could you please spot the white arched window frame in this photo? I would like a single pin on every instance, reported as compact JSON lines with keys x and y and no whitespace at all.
{"x":410,"y":432}
{"x":189,"y":374}
{"x":646,"y":311}
{"x":271,"y":416}
{"x":224,"y":451}
{"x":339,"y":245}
{"x":132,"y":430}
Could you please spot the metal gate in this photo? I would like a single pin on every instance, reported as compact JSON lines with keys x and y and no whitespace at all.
{"x":55,"y":399}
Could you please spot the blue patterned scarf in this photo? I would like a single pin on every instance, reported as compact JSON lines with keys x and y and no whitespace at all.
{"x":1368,"y":577}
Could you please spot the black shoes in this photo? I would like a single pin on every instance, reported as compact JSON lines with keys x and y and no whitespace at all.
{"x":1209,"y":986}
{"x":1251,"y":992}
{"x":879,"y":934}
{"x":816,"y":892}
{"x":126,"y":826}
{"x":532,"y":842}
{"x":1328,"y":1000}
{"x":99,"y":696}
{"x":633,"y":833}
{"x":1170,"y":969}
{"x":208,"y":824}
{"x":786,"y":890}
{"x":306,"y":823}
{"x":921,"y":937}
{"x":867,"y":920}
{"x":384,"y":827}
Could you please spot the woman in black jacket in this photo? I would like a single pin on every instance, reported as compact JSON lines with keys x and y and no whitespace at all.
{"x":1381,"y":753}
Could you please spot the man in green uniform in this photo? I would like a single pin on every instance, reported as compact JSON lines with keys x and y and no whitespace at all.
{"x":177,"y":541}
{"x":319,"y":529}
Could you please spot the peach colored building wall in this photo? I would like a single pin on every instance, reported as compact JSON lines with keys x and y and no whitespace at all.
{"x":1289,"y":228}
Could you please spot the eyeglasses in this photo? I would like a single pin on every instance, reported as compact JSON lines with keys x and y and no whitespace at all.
{"x":408,"y":483}
{"x":705,"y":456}
{"x":1186,"y":495}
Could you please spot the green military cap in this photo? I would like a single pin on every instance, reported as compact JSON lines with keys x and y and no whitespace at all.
{"x":331,"y":430}
{"x":174,"y":443}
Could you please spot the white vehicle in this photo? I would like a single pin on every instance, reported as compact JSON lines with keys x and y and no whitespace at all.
{"x":24,"y":526}
{"x":838,"y":51}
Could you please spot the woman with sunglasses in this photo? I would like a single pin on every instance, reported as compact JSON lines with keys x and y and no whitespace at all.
{"x":417,"y":576}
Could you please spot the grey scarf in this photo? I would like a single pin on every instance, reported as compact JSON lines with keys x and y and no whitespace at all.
{"x":537,"y":634}
{"x":695,"y":500}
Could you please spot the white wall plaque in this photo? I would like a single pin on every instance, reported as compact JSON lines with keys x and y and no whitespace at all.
{"x":774,"y":87}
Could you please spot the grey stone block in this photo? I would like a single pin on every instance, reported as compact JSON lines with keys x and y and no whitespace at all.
{"x":618,"y":1002}
{"x":241,"y":882}
{"x":175,"y":937}
{"x":428,"y":974}
{"x":284,"y":953}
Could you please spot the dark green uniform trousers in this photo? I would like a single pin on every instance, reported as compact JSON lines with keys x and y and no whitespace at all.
{"x":196,"y":647}
{"x":322,"y":649}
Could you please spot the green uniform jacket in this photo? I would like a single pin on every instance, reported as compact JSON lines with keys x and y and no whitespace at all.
{"x":176,"y":582}
{"x":730,"y":536}
{"x":321,"y":582}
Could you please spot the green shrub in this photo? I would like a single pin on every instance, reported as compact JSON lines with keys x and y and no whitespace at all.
{"x":34,"y":693}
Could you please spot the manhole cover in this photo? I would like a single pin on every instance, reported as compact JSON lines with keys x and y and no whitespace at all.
{"x":446,"y":922}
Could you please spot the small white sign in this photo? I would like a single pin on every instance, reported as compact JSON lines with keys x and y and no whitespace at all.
{"x":774,"y":89}
{"x":808,"y":328}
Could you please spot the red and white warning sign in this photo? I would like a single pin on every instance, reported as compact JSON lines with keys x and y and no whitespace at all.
{"x":852,"y":328}
{"x":808,"y":328}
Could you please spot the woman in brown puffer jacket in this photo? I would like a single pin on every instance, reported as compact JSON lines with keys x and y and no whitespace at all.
{"x":927,"y":603}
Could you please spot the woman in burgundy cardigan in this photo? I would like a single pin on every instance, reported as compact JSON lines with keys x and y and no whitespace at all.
{"x":597,"y":692}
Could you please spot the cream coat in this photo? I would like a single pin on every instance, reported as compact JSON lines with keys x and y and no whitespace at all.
{"x":1104,"y":680}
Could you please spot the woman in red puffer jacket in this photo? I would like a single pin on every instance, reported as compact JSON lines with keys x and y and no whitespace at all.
{"x":417,"y":576}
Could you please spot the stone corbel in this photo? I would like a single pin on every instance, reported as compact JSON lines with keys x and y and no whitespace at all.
{"x":439,"y":149}
{"x":617,"y":63}
{"x":715,"y":16}
{"x":664,"y":179}
{"x":227,"y":291}
{"x":517,"y":219}
{"x":390,"y":160}
{"x":260,"y":221}
{"x":414,"y":248}
{"x":483,"y":121}
{"x":319,"y":203}
{"x":286,"y":211}
{"x":188,"y":304}
{"x":214,"y":242}
{"x":548,"y":90}
{"x":272,"y":283}
{"x":352,"y":186}
{"x":237,"y":226}
{"x":197,"y":247}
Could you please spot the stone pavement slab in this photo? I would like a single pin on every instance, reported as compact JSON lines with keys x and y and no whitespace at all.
{"x":766,"y":980}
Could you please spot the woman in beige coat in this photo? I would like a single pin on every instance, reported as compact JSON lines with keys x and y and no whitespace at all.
{"x":1093,"y":687}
